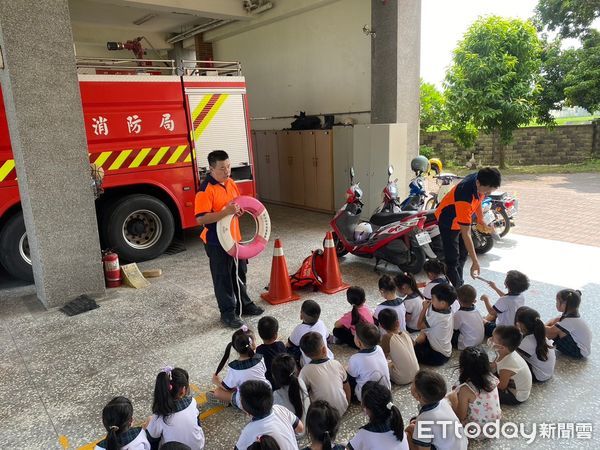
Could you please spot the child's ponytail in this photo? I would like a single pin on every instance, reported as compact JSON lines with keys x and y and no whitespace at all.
{"x":241,"y":341}
{"x":356,"y":297}
{"x":326,"y":444}
{"x":397,"y":421}
{"x":171,"y":384}
{"x":264,"y":442}
{"x":408,"y":279}
{"x":322,"y":423}
{"x":377,"y":400}
{"x":283,"y":369}
{"x":116,"y":417}
{"x":531,"y":321}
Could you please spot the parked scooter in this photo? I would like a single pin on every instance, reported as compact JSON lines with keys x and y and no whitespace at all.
{"x":416,"y":201}
{"x":397,"y":242}
{"x":505,"y":207}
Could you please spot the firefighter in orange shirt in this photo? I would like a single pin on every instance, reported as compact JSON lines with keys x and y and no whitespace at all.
{"x":213,"y":202}
{"x":455,"y":215}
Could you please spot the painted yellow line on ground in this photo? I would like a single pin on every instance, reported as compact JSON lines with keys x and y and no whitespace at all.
{"x":211,"y":411}
{"x":63,"y":441}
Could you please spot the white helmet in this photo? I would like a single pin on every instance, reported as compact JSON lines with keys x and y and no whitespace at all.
{"x":362,"y":231}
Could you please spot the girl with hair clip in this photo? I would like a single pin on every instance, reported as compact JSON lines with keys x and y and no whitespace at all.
{"x":345,"y":327}
{"x":406,"y":286}
{"x":571,"y":334}
{"x":387,"y":289}
{"x":175,"y":412}
{"x":289,"y":391}
{"x":249,"y":366}
{"x":385,"y":429}
{"x":476,"y":398}
{"x":117,"y":416}
{"x":535,"y":348}
{"x":322,"y":425}
{"x":265,"y":442}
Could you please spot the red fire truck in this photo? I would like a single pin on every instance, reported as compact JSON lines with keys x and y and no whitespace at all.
{"x":150,"y":129}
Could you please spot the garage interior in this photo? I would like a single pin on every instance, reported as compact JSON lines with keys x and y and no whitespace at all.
{"x":353,"y":59}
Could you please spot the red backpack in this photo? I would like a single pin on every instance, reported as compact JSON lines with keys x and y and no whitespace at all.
{"x":308,"y":273}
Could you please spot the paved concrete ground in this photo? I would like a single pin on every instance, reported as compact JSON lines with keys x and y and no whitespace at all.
{"x":57,"y":372}
{"x":561,"y":207}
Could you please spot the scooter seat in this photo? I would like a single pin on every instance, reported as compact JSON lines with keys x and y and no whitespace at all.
{"x":385,"y":218}
{"x":497,"y":195}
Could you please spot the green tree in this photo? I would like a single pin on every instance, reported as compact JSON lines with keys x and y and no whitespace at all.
{"x":582,"y":82}
{"x":433,"y":107}
{"x":493,"y":82}
{"x":571,"y":18}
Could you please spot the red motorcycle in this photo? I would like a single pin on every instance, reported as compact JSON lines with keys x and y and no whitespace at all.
{"x":397,"y":242}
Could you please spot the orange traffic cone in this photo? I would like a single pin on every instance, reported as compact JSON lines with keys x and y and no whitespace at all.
{"x":280,"y":288}
{"x":331,"y":275}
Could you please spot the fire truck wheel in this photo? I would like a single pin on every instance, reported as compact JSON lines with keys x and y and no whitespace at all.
{"x":14,"y":249}
{"x":139,"y":227}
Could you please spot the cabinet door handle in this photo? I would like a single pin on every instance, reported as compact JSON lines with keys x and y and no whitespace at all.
{"x":316,"y":162}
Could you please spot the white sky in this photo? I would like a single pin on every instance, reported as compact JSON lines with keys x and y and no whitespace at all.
{"x":443,"y":23}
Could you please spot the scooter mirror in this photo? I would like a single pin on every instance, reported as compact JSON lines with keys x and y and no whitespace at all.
{"x":351,"y":175}
{"x":390,"y":170}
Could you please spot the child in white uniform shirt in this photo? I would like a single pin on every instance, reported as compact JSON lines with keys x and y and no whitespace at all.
{"x":276,"y":421}
{"x":513,"y":372}
{"x":535,"y":349}
{"x":175,"y":413}
{"x":503,"y":311}
{"x":572,"y":335}
{"x":385,"y":429}
{"x":436,"y":272}
{"x":431,"y":428}
{"x":322,"y":425}
{"x":468,"y":323}
{"x":249,"y":366}
{"x":117,"y":416}
{"x":369,"y":364}
{"x":289,"y":391}
{"x":387,"y":289}
{"x":413,"y":299}
{"x":310,"y":311}
{"x":433,"y":346}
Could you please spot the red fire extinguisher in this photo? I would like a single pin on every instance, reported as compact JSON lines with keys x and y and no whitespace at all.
{"x":112,"y":269}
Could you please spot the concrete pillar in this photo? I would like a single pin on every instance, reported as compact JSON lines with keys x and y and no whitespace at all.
{"x":178,"y":53}
{"x":43,"y":106}
{"x":395,"y":60}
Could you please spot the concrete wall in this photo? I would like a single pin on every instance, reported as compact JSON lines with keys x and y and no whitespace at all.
{"x":535,"y":145}
{"x":319,"y":61}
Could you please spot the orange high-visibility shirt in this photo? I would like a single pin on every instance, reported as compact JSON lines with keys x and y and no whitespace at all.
{"x":213,"y":197}
{"x":459,"y":205}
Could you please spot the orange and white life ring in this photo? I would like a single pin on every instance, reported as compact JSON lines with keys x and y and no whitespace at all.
{"x":252,"y":248}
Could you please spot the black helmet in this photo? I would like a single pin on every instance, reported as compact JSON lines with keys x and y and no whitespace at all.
{"x":420,"y":164}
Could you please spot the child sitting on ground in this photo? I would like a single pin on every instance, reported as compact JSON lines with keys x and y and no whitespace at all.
{"x":310,"y":311}
{"x":535,"y":348}
{"x":324,"y":378}
{"x":503,"y":311}
{"x":512,"y":370}
{"x":475,"y":399}
{"x":436,"y":414}
{"x":413,"y":299}
{"x":385,"y":429}
{"x":369,"y":364}
{"x":175,"y":412}
{"x":268,"y":327}
{"x":345,"y":328}
{"x":289,"y":390}
{"x":433,"y":345}
{"x":398,"y":346}
{"x":267,"y":419}
{"x":571,"y":334}
{"x":264,"y":442}
{"x":436,"y":272}
{"x":387,"y":289}
{"x":322,"y":425}
{"x":468,"y":324}
{"x":249,"y":366}
{"x":117,"y":416}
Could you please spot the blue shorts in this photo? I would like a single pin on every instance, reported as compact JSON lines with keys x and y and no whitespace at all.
{"x":568,"y":346}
